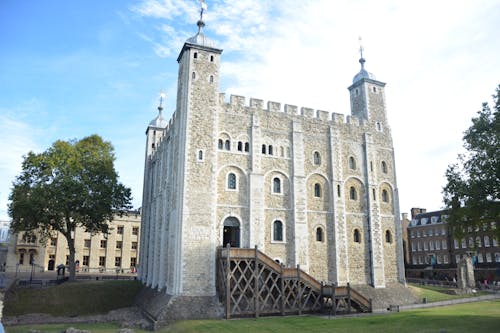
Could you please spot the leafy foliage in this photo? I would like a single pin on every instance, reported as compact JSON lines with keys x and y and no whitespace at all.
{"x":473,"y":187}
{"x":73,"y":183}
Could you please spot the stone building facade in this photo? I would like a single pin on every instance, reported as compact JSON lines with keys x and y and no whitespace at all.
{"x":308,"y":187}
{"x":97,"y":253}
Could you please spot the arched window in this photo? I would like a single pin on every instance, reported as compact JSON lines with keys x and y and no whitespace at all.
{"x":282,"y":152}
{"x":231,"y":181}
{"x":211,"y":79}
{"x":385,"y":196}
{"x":200,"y":155}
{"x":276,"y":185}
{"x":357,"y":236}
{"x":270,"y":150}
{"x":193,"y":75}
{"x":352,"y":163}
{"x":278,"y":231}
{"x":388,"y":236}
{"x":353,"y":195}
{"x":211,"y":58}
{"x":247,"y":147}
{"x":384,"y":167}
{"x":227,"y":145}
{"x":240,"y":146}
{"x":374,"y":195}
{"x":195,"y":55}
{"x":317,"y":158}
{"x":338,"y":191}
{"x":264,"y":149}
{"x":317,"y":190}
{"x":319,"y":234}
{"x":220,"y":144}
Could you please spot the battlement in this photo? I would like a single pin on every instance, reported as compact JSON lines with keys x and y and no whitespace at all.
{"x":240,"y":102}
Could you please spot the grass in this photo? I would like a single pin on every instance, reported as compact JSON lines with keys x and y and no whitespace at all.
{"x":438,"y":294}
{"x":72,"y":298}
{"x":469,"y":317}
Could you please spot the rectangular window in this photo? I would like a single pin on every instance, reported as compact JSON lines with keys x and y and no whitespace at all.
{"x":53,"y":242}
{"x":102,"y":261}
{"x":456,"y":243}
{"x":133,"y":262}
{"x":488,"y":257}
{"x":497,"y":257}
{"x":431,"y":245}
{"x":479,"y":257}
{"x":135,"y":230}
{"x":425,"y":246}
{"x":85,"y":260}
{"x":119,"y":230}
{"x":464,"y":244}
{"x":445,"y":245}
{"x":118,"y":261}
{"x":443,"y":231}
{"x":134,"y":245}
{"x":457,"y":258}
{"x":412,"y":246}
{"x":438,"y":244}
{"x":21,"y":258}
{"x":86,"y":243}
{"x":104,"y":243}
{"x":445,"y":258}
{"x":119,"y":244}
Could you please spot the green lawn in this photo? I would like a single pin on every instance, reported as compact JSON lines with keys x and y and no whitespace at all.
{"x":72,"y":298}
{"x":470,"y":317}
{"x":437,"y":294}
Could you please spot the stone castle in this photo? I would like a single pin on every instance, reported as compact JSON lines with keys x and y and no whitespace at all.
{"x":307,"y":187}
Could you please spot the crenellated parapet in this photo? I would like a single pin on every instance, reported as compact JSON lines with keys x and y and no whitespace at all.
{"x":239,"y":103}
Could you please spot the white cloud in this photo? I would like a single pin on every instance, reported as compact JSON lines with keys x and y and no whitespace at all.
{"x":440,"y":60}
{"x":17,"y":140}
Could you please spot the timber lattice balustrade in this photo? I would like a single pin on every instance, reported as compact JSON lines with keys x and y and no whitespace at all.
{"x":250,"y":283}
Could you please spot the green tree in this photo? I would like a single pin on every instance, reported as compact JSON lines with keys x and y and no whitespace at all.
{"x":72,"y":184}
{"x":473,"y":184}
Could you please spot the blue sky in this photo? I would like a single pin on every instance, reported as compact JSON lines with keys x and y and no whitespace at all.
{"x":69,"y":69}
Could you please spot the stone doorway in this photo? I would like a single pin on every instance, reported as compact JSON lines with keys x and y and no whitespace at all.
{"x":231,"y":232}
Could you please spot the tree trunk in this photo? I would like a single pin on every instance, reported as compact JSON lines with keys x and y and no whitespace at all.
{"x":72,"y":267}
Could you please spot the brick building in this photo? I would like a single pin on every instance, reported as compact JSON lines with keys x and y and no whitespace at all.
{"x":432,"y":246}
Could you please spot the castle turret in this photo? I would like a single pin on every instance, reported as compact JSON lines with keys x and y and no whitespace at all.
{"x":156,"y":129}
{"x":368,"y":97}
{"x":197,"y":102}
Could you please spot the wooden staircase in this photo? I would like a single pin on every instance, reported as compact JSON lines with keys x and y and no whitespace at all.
{"x":250,"y":283}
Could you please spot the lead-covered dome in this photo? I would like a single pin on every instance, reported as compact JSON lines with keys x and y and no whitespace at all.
{"x":363,"y":73}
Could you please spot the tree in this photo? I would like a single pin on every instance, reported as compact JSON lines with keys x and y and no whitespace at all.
{"x":72,"y":184}
{"x":472,"y":192}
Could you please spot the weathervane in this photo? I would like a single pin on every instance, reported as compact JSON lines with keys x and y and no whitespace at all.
{"x":361,"y":49}
{"x":162,"y":97}
{"x":203,"y":8}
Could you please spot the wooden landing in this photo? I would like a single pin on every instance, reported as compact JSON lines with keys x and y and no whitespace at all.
{"x":250,"y":283}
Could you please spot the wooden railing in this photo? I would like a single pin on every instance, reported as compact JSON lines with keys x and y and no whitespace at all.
{"x":252,"y":283}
